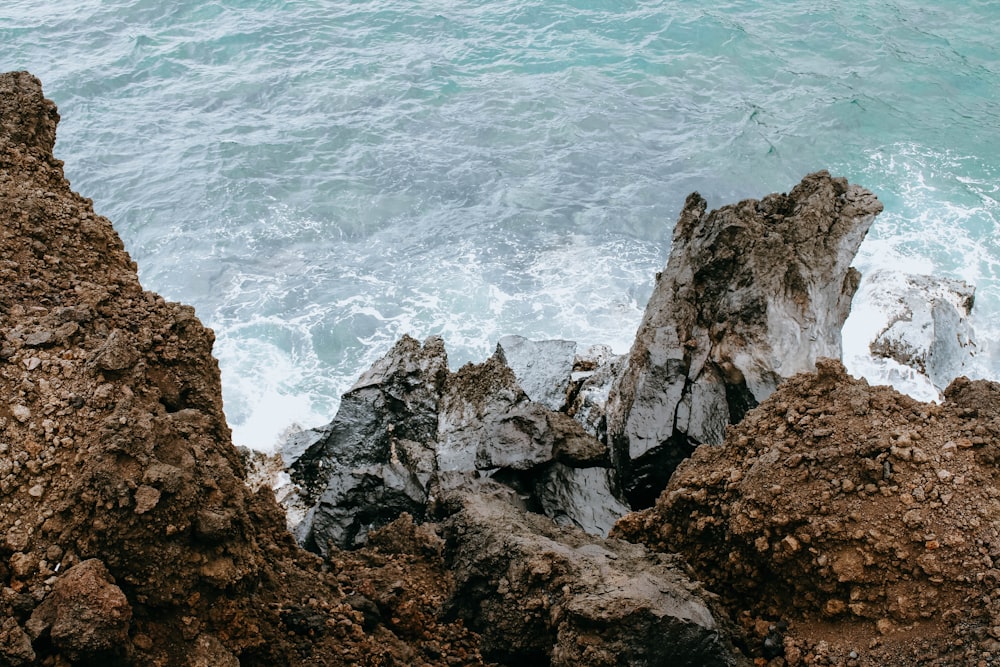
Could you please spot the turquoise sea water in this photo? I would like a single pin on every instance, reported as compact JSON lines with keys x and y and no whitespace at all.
{"x":319,"y":177}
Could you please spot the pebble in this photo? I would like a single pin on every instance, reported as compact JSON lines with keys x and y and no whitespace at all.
{"x":38,"y":339}
{"x":21,"y":413}
{"x":36,"y":491}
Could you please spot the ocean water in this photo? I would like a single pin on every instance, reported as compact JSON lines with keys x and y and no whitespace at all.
{"x":320,"y":177}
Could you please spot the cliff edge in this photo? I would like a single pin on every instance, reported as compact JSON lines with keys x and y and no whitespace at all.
{"x":127,"y":534}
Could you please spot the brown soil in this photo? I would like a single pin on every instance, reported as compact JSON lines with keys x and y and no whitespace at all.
{"x":113,"y":446}
{"x":867,"y":522}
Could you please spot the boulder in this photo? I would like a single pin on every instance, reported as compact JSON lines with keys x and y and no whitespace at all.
{"x":752,"y":293}
{"x":488,"y":422}
{"x":542,"y":594}
{"x":584,"y":497}
{"x":86,"y":615}
{"x":542,"y":368}
{"x":352,"y":477}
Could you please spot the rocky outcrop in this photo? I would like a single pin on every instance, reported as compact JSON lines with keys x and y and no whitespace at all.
{"x":752,"y":293}
{"x":837,"y":504}
{"x":545,"y":595}
{"x":543,"y":369}
{"x":375,"y":460}
{"x":410,"y":433}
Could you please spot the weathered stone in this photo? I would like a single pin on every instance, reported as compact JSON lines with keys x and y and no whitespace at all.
{"x":351,"y":476}
{"x":585,"y":496}
{"x":752,"y":293}
{"x":487,"y":422}
{"x":209,"y":652}
{"x":39,"y":339}
{"x":590,"y":400}
{"x":542,"y":368}
{"x":572,"y":445}
{"x":117,"y":353}
{"x":541,"y":594}
{"x":146,"y":498}
{"x":87,"y":616}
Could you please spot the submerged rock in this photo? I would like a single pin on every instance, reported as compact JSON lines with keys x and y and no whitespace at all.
{"x":752,"y":293}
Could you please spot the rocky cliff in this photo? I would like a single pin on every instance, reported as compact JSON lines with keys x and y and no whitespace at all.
{"x":752,"y":293}
{"x":127,"y":534}
{"x":837,"y":523}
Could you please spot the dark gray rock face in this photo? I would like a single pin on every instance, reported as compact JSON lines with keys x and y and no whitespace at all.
{"x":353,"y":476}
{"x":542,"y":368}
{"x":410,"y":433}
{"x":752,"y":293}
{"x":542,"y":594}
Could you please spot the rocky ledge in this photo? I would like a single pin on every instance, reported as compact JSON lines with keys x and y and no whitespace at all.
{"x":818,"y":520}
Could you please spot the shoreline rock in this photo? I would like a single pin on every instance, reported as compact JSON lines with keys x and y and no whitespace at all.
{"x":752,"y":293}
{"x":837,"y":523}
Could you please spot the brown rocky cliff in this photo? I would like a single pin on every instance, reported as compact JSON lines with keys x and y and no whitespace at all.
{"x":114,"y":453}
{"x":856,"y":518}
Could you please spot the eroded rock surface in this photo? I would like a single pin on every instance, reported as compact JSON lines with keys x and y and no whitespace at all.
{"x":541,"y":594}
{"x":864,"y":518}
{"x":752,"y":293}
{"x":410,"y":433}
{"x":542,"y":368}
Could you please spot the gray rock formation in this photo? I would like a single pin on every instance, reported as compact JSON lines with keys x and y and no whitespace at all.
{"x":542,"y":368}
{"x":410,"y":433}
{"x":752,"y":293}
{"x":594,"y":372}
{"x":355,"y":476}
{"x":926,"y":323}
{"x":541,"y":594}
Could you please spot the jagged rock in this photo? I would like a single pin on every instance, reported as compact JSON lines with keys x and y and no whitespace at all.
{"x":598,"y":369}
{"x":542,"y":368}
{"x":541,"y":594}
{"x":410,"y":433}
{"x":87,"y":616}
{"x":572,"y":445}
{"x":353,"y":478}
{"x":925,"y":323}
{"x":488,"y":422}
{"x":752,"y":293}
